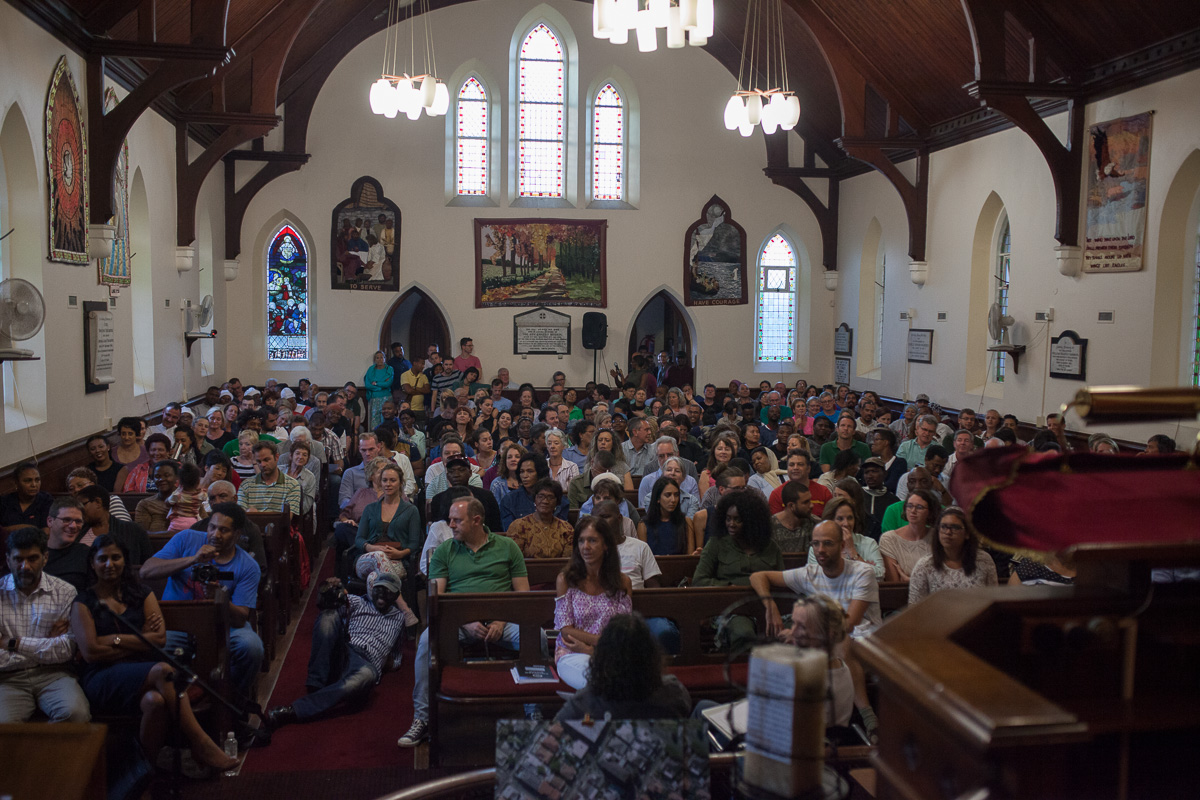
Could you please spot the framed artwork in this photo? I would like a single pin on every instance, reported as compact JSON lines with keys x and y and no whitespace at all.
{"x":1119,"y":168}
{"x":366,"y":240}
{"x":920,"y":345}
{"x":714,"y":260}
{"x":115,"y":272}
{"x":66,"y":169}
{"x":540,"y":262}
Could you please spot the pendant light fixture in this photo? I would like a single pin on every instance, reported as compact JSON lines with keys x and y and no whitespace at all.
{"x":399,"y":91}
{"x":763,"y":96}
{"x":687,"y":22}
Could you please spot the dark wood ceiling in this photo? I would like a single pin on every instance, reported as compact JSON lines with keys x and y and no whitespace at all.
{"x":916,"y":54}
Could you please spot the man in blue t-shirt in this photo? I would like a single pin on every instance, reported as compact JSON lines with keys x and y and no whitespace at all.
{"x":217,"y":547}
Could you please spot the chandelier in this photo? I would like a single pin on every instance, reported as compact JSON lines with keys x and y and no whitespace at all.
{"x":685,"y":21}
{"x":754,"y":103}
{"x":399,"y":91}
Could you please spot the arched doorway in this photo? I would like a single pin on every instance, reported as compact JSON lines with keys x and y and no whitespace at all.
{"x":416,"y":322}
{"x":662,"y":324}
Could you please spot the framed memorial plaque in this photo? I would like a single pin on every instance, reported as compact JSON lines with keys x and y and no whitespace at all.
{"x":542,"y":332}
{"x":841,"y":371}
{"x":1068,"y":356}
{"x":843,"y":340}
{"x":920,"y":345}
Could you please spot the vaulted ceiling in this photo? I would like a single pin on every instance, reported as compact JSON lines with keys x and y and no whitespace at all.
{"x":878,"y":80}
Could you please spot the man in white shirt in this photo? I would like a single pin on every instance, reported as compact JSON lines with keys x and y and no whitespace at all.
{"x":35,"y":612}
{"x":851,"y":583}
{"x":640,"y":457}
{"x":170,"y":418}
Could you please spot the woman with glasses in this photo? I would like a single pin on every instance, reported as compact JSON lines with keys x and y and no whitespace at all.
{"x":954,"y":561}
{"x":905,"y":546}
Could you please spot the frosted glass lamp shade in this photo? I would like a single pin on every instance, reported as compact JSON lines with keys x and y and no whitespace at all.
{"x":676,"y":36}
{"x":754,"y":108}
{"x":378,"y":96}
{"x":441,"y":100}
{"x":735,"y":112}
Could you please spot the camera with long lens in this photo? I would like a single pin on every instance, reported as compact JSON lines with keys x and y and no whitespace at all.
{"x":331,"y":596}
{"x":210,"y":573}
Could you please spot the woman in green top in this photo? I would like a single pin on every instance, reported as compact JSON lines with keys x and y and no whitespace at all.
{"x":389,"y":535}
{"x":378,"y":385}
{"x":741,"y":545}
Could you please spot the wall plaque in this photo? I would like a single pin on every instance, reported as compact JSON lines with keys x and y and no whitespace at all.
{"x":1068,"y":356}
{"x":843,"y":340}
{"x":542,"y":331}
{"x":841,"y":371}
{"x":920,"y":345}
{"x":99,"y":346}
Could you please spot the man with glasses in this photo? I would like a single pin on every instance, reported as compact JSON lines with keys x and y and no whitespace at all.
{"x":664,"y":448}
{"x":913,"y":450}
{"x":99,"y":521}
{"x":66,"y":556}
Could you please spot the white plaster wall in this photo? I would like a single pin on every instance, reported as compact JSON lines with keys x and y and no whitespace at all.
{"x":961,"y":178}
{"x":27,"y":59}
{"x":687,"y":156}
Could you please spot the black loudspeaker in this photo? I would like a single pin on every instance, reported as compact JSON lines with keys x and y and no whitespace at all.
{"x":595,"y":330}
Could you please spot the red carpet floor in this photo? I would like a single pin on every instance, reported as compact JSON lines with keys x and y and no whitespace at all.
{"x":365,"y":739}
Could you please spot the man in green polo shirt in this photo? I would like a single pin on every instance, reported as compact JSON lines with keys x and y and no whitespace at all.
{"x":475,"y":560}
{"x":846,"y":428}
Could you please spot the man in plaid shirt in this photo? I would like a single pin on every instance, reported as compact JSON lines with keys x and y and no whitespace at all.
{"x":35,"y":611}
{"x":271,"y":488}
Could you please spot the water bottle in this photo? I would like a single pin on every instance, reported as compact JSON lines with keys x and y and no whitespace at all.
{"x":231,"y":750}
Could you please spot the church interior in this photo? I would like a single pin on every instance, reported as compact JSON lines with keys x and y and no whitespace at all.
{"x":990,"y":204}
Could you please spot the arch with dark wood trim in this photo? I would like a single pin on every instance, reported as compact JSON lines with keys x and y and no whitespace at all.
{"x":663,"y":317}
{"x":416,"y":321}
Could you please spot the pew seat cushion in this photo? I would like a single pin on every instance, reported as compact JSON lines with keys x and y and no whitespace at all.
{"x":697,"y":677}
{"x":490,"y":682}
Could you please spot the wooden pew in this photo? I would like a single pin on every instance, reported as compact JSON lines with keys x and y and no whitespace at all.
{"x":467,"y":696}
{"x":208,"y":622}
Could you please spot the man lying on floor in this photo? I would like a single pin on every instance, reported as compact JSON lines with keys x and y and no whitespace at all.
{"x":354,"y":641}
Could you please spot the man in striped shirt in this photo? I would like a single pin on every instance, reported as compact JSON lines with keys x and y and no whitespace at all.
{"x":35,"y":611}
{"x":354,"y":640}
{"x":271,"y":488}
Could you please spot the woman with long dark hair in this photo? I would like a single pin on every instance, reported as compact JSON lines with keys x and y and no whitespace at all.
{"x":626,"y":679}
{"x":121,"y":675}
{"x":589,"y":591}
{"x":954,"y":561}
{"x":665,"y":528}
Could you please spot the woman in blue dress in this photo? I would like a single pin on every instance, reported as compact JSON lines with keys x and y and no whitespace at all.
{"x":121,"y":674}
{"x":378,"y":385}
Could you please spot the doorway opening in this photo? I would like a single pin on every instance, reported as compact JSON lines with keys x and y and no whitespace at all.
{"x":416,"y":322}
{"x":663,"y":324}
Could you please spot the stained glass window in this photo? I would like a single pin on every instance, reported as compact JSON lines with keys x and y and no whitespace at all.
{"x":472,"y":138}
{"x":1003,"y":262}
{"x":608,"y":145}
{"x":541,"y":114}
{"x":287,"y":297}
{"x":775,"y":334}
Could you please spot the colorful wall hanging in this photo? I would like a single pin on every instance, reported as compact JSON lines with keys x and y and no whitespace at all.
{"x":536,"y":262}
{"x":366,"y":240}
{"x":115,"y":272}
{"x":66,"y":169}
{"x":1118,"y":172}
{"x":714,"y":258}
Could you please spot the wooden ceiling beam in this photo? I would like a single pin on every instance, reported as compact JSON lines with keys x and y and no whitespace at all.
{"x":178,"y":65}
{"x":103,"y":16}
{"x":794,"y":179}
{"x":835,"y":44}
{"x":161,"y":51}
{"x":266,"y":66}
{"x":985,"y":19}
